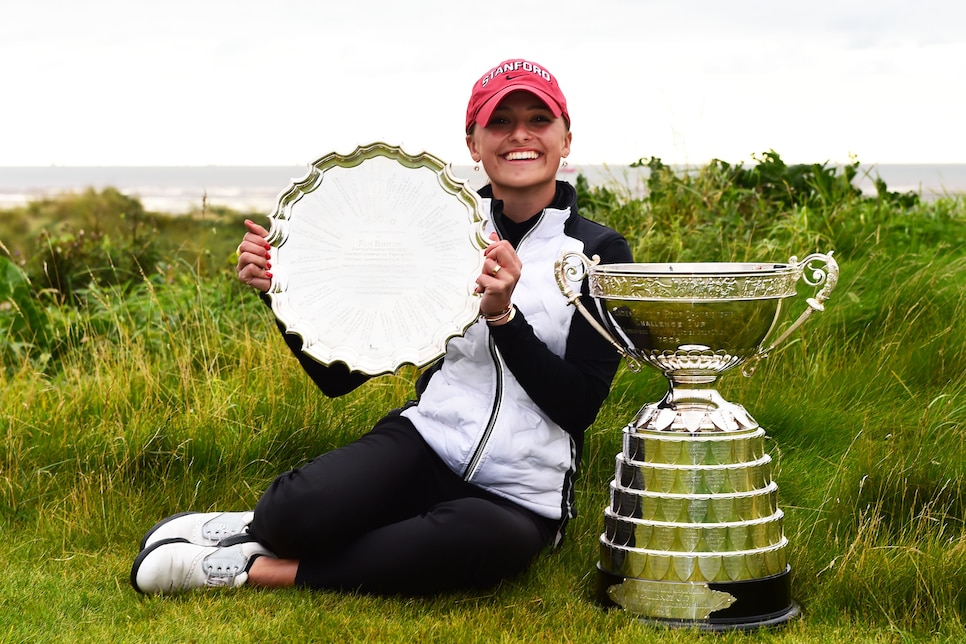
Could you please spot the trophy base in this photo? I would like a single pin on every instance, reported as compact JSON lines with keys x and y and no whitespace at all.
{"x":758,"y":603}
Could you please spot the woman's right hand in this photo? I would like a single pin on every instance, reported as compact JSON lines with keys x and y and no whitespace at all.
{"x":254,"y":258}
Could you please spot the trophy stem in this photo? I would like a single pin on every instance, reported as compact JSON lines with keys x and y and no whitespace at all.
{"x":692,"y":405}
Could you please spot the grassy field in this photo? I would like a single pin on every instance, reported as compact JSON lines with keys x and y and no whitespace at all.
{"x":131,"y":394}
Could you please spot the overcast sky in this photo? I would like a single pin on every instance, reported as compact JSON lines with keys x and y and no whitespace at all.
{"x":282,"y":82}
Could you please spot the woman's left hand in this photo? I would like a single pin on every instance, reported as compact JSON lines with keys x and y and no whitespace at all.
{"x":500,"y":274}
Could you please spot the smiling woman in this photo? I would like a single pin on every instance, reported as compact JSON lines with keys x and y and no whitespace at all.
{"x":521,"y":145}
{"x":481,"y":464}
{"x":518,"y":127}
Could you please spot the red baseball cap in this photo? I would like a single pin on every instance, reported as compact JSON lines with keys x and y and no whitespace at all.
{"x":510,"y":76}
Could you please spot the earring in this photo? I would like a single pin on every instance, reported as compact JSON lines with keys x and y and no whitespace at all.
{"x":476,"y":168}
{"x":564,"y":164}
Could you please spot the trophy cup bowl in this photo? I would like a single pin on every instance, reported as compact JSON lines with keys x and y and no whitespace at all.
{"x":693,"y":531}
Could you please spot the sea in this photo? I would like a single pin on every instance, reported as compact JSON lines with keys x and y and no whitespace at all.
{"x":250,"y":189}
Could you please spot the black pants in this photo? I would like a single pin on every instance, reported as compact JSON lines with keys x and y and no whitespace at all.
{"x":385,"y":515}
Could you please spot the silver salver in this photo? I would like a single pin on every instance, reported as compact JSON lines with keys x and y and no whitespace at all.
{"x":375,"y":256}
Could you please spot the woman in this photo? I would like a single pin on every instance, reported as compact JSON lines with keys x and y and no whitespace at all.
{"x":465,"y":485}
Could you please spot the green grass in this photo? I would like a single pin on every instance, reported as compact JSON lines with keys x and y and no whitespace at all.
{"x":173,"y":391}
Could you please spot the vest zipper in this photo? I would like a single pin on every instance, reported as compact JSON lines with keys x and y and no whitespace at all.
{"x":474,"y":463}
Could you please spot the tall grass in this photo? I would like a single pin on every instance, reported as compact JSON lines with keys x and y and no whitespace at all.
{"x":172,"y":391}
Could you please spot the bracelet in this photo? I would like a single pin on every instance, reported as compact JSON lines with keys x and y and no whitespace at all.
{"x":508,"y":314}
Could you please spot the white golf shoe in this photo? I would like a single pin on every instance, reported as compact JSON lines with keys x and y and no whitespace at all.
{"x":199,"y":528}
{"x":173,"y":566}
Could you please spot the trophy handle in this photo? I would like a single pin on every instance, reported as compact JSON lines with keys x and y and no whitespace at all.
{"x":824,"y":275}
{"x":567,"y":272}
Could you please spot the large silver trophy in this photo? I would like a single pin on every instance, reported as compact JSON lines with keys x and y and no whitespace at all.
{"x":693,"y":534}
